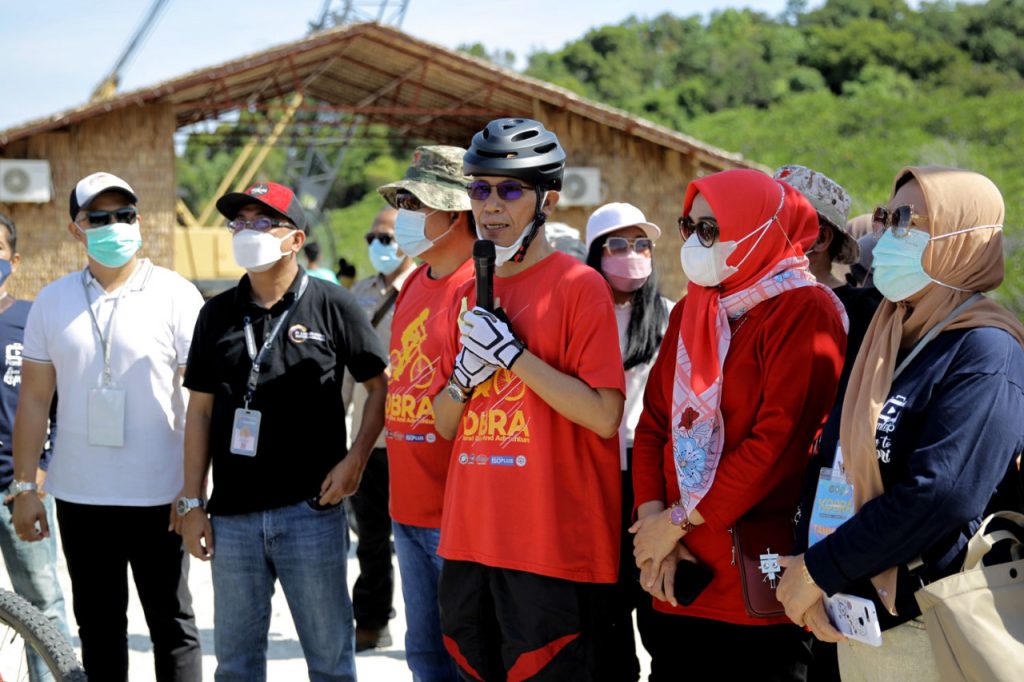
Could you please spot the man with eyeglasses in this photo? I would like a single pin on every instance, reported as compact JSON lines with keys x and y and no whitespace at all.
{"x":434,"y":223}
{"x":373,"y":592}
{"x":530,"y":526}
{"x":112,"y":339}
{"x":265,"y":372}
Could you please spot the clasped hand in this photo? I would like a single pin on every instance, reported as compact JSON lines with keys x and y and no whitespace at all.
{"x":489,"y":338}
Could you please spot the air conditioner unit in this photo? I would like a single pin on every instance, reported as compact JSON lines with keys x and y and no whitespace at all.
{"x":581,"y":186}
{"x":23,"y":180}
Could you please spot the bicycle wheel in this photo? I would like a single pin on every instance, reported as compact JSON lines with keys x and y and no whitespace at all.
{"x":23,"y":626}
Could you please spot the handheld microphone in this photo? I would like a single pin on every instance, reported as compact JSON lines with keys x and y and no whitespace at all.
{"x":483,"y":265}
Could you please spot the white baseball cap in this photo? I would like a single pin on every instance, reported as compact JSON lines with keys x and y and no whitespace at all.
{"x":615,"y":216}
{"x":91,"y":186}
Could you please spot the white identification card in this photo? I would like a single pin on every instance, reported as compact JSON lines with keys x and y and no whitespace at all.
{"x":245,"y":432}
{"x":106,"y":416}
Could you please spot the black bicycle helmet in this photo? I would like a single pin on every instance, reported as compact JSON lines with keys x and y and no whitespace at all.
{"x":518,"y":148}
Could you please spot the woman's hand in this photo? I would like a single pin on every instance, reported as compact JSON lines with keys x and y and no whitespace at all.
{"x":654,"y":538}
{"x":794,"y":591}
{"x":662,"y":585}
{"x":816,"y":618}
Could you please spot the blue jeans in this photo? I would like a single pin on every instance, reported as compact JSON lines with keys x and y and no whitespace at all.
{"x":307,"y":551}
{"x":32,"y":567}
{"x":420,"y":567}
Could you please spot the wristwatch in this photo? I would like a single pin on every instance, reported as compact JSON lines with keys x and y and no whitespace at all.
{"x":186,"y":504}
{"x":678,"y":517}
{"x":19,"y":487}
{"x":457,"y":392}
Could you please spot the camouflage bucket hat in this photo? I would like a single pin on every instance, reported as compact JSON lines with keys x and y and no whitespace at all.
{"x":435,"y":178}
{"x":829,"y":199}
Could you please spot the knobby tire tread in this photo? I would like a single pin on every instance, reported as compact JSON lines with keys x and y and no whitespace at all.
{"x":39,"y":633}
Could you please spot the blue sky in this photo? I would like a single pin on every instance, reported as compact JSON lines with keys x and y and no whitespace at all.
{"x":56,"y":51}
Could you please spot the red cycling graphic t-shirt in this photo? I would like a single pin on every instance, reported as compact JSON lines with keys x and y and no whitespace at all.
{"x":421,"y":361}
{"x":527,"y":488}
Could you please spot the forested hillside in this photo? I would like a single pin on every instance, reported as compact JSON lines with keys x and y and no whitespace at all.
{"x":856,"y":89}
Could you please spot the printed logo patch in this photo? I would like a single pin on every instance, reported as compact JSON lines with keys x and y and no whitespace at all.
{"x":258,"y":190}
{"x":299,"y":333}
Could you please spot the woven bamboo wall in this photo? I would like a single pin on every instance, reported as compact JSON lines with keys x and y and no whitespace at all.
{"x":136,"y":144}
{"x":645,"y":174}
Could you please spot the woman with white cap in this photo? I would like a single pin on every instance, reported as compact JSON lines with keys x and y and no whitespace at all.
{"x":620,"y":245}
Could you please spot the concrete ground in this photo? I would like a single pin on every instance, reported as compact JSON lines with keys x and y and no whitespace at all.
{"x":285,"y":661}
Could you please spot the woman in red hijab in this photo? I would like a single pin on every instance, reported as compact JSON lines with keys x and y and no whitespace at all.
{"x":744,"y":379}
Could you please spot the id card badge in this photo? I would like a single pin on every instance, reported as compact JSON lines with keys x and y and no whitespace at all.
{"x":833,"y":502}
{"x":245,"y":432}
{"x":105,"y":414}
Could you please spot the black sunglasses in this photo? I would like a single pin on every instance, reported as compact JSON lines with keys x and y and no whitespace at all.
{"x":899,"y":219}
{"x":508,"y":190}
{"x":407,"y":201}
{"x":383,"y":237}
{"x":706,"y":230}
{"x":128,"y":214}
{"x":620,"y":245}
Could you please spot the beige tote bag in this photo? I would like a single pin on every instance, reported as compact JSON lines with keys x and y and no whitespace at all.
{"x":975,"y":618}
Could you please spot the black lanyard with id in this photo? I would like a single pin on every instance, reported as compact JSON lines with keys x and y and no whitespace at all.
{"x":106,"y":402}
{"x":245,"y":431}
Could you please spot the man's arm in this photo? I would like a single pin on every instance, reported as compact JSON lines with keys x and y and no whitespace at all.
{"x":597,"y":409}
{"x":343,"y":479}
{"x":38,"y":382}
{"x":196,"y":531}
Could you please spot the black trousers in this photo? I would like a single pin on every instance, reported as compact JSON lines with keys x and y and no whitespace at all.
{"x":628,"y":595}
{"x":100,"y":542}
{"x":692,"y":649}
{"x":375,"y":588}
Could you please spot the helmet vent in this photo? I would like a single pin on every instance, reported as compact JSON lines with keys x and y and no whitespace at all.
{"x":525,"y":135}
{"x":545,"y":148}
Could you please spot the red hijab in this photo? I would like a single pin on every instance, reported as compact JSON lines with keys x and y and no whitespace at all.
{"x":742,"y":200}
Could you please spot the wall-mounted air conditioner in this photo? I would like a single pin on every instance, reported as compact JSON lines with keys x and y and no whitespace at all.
{"x":24,"y":180}
{"x":581,"y":186}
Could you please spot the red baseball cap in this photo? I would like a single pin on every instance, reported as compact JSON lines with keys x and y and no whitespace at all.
{"x":277,"y":198}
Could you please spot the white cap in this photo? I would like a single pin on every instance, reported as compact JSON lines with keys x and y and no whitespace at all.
{"x":615,"y":216}
{"x":91,"y":186}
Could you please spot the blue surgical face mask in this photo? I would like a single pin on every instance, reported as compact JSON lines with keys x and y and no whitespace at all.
{"x":384,"y":259}
{"x":5,"y":270}
{"x":410,"y":232}
{"x":898,"y":262}
{"x":113,"y":245}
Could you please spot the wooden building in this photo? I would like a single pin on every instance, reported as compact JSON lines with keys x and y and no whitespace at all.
{"x":422,"y":92}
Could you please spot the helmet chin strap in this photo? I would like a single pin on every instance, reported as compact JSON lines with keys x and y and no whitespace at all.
{"x":538,"y":220}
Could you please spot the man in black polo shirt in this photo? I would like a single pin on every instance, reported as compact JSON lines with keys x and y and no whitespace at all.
{"x":265,"y":373}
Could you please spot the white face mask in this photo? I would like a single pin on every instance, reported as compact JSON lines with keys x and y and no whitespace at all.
{"x":502,"y":254}
{"x":257,"y":251}
{"x":706,"y":266}
{"x":410,"y":232}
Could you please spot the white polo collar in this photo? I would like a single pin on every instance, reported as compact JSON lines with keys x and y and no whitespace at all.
{"x":137,"y":281}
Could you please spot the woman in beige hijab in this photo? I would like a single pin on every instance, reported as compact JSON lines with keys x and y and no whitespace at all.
{"x":930,"y":421}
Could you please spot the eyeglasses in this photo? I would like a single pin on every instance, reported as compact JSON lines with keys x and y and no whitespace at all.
{"x":407,"y":201}
{"x":620,"y":245}
{"x":508,"y":190}
{"x":128,"y":214}
{"x":258,"y":224}
{"x":383,"y":237}
{"x":899,"y":219}
{"x":706,"y":230}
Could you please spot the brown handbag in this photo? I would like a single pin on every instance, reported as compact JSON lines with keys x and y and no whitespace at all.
{"x":759,"y":539}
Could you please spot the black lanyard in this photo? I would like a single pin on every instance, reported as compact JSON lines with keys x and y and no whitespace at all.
{"x":250,"y":342}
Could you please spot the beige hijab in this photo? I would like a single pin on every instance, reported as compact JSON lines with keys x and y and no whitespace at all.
{"x":956,"y":200}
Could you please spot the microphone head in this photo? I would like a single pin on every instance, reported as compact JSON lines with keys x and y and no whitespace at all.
{"x":483,"y":248}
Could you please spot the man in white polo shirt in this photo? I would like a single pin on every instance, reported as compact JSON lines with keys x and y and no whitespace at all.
{"x":112,"y":339}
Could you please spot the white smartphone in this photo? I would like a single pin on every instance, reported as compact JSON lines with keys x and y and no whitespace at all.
{"x":855,"y":617}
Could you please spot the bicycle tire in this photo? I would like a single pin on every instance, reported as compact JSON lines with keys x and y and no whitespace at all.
{"x":39,"y":633}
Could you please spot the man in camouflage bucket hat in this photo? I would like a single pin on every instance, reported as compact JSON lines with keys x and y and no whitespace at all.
{"x":434,"y":223}
{"x":832,"y":202}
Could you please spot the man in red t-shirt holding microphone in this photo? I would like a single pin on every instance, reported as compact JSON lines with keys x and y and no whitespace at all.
{"x":530,"y":530}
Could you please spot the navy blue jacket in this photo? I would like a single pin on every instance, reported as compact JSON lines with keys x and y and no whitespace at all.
{"x":953,"y":421}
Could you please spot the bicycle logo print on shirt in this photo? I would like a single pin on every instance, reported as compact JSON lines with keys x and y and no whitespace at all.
{"x":412,"y":374}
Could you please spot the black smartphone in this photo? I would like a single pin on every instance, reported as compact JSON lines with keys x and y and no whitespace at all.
{"x":314,"y":504}
{"x":691,"y":579}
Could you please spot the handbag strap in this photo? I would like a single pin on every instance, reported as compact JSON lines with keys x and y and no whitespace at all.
{"x":983,"y":541}
{"x":384,"y":307}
